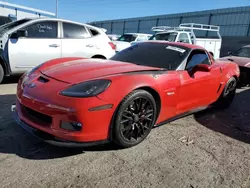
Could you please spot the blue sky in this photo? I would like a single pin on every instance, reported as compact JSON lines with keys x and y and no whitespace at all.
{"x":94,"y":10}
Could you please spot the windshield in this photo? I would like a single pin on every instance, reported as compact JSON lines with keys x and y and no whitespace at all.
{"x":243,"y":52}
{"x":127,"y":38}
{"x":11,"y":25}
{"x":165,"y":36}
{"x":154,"y":55}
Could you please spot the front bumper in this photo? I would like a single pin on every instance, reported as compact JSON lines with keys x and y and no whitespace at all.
{"x":48,"y":138}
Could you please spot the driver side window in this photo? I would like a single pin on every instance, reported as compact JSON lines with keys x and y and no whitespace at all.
{"x":197,"y":57}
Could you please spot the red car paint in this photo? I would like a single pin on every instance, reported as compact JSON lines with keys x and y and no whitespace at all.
{"x":178,"y":93}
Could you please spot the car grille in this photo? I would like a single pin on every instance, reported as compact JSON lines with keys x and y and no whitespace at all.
{"x":37,"y":117}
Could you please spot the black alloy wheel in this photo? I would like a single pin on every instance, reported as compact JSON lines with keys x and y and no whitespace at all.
{"x":135,"y":118}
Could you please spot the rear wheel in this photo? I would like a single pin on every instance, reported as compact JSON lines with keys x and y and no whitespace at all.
{"x":227,"y":95}
{"x":1,"y":73}
{"x":135,"y":118}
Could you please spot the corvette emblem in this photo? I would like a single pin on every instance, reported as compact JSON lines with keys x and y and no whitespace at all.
{"x":31,"y":85}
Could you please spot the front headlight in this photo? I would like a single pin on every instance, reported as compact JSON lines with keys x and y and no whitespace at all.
{"x":87,"y":89}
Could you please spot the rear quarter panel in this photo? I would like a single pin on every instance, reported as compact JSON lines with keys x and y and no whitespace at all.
{"x":229,"y":70}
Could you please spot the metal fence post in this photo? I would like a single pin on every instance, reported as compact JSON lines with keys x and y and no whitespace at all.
{"x":181,"y":17}
{"x":248,"y":27}
{"x":138,"y":27}
{"x":111,"y":28}
{"x":209,"y":21}
{"x":124,"y":26}
{"x":157,"y":21}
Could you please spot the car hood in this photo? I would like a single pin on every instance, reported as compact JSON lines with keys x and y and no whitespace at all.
{"x":241,"y":61}
{"x":121,"y":45}
{"x":81,"y":70}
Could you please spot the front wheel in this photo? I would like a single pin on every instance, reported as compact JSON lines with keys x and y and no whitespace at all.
{"x":1,"y":74}
{"x":228,"y":94}
{"x":135,"y":118}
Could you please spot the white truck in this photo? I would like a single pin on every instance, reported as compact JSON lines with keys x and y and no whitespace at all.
{"x":206,"y":36}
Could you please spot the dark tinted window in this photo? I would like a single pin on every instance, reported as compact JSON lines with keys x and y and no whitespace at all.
{"x":94,"y":32}
{"x":127,"y":38}
{"x":197,"y":57}
{"x":170,"y":37}
{"x":11,"y":25}
{"x":153,"y":54}
{"x":243,"y":52}
{"x":4,"y":20}
{"x":74,"y":31}
{"x":46,"y":29}
{"x":183,"y":37}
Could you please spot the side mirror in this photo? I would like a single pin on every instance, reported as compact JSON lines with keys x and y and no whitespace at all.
{"x":19,"y":33}
{"x":202,"y":68}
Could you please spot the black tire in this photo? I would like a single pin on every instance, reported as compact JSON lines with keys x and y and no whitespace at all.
{"x":1,"y":74}
{"x":134,"y":119}
{"x":228,"y":94}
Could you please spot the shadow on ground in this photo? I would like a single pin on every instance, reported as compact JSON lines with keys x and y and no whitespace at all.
{"x":12,"y":79}
{"x":233,"y":122}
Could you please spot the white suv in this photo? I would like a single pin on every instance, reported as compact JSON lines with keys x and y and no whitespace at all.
{"x":27,"y":43}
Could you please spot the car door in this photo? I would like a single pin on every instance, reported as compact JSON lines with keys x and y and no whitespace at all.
{"x":77,"y":41}
{"x":198,"y":88}
{"x":41,"y":44}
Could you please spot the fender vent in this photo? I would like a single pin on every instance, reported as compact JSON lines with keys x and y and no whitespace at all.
{"x":219,"y":88}
{"x":43,"y":80}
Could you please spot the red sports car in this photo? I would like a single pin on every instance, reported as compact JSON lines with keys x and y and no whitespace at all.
{"x":82,"y":102}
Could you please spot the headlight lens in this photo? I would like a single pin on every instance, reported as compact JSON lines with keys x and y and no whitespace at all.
{"x":87,"y":89}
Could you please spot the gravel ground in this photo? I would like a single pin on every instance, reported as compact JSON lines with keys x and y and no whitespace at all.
{"x":218,"y":157}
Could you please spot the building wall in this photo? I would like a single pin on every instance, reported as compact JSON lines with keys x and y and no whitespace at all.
{"x":232,"y":21}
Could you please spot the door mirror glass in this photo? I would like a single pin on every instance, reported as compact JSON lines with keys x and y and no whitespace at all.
{"x":19,"y":33}
{"x":22,"y":33}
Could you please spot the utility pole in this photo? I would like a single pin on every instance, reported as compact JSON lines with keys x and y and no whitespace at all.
{"x":56,"y":8}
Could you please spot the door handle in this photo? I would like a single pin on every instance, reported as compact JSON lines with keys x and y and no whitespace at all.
{"x":54,"y":45}
{"x":90,"y":45}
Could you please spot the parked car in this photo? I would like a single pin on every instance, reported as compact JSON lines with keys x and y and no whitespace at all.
{"x":207,"y":36}
{"x":143,"y":86}
{"x":26,"y":43}
{"x":113,"y":37}
{"x":242,"y":58}
{"x":128,"y":39}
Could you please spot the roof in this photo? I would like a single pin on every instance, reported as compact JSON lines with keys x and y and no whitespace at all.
{"x":62,"y":20}
{"x":191,"y":46}
{"x":137,"y":34}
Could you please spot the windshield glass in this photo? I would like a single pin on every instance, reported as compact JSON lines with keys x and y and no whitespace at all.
{"x":127,"y":38}
{"x":11,"y":25}
{"x":165,"y":36}
{"x":243,"y":52}
{"x":154,"y":55}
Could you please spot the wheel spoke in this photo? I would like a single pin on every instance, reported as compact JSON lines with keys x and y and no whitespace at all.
{"x":125,"y":121}
{"x":127,"y":117}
